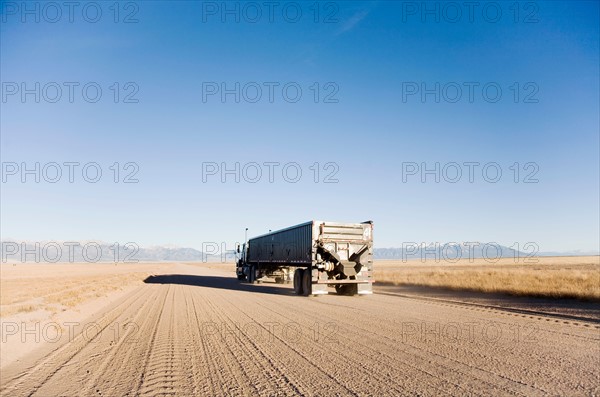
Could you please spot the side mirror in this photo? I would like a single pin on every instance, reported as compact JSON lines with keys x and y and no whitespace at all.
{"x":237,"y":247}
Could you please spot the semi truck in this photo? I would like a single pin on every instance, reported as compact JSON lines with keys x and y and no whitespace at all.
{"x":314,"y":255}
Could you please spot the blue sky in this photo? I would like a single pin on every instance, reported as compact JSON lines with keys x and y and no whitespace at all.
{"x":362,"y":53}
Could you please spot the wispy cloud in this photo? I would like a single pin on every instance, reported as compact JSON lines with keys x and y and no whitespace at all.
{"x":353,"y":21}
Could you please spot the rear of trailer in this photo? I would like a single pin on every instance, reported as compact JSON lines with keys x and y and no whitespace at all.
{"x":314,"y":256}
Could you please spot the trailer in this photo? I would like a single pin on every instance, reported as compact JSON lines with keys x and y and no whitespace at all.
{"x":314,"y":256}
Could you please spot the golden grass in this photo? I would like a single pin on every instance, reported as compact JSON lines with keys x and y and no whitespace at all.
{"x":53,"y":288}
{"x":25,"y":309}
{"x":573,"y":277}
{"x":551,"y":277}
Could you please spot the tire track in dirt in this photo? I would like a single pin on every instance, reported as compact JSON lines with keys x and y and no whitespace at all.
{"x":307,"y":352}
{"x":106,"y":374}
{"x":541,"y":315}
{"x":151,"y":339}
{"x":196,"y":352}
{"x":259,"y":373}
{"x":445,"y":367}
{"x":187,"y":337}
{"x":376,"y":364}
{"x":503,"y":351}
{"x":34,"y":374}
{"x":488,"y":353}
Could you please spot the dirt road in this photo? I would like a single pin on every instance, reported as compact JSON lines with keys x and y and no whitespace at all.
{"x":200,"y":332}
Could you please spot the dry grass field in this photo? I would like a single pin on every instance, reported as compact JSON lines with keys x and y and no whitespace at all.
{"x":551,"y":277}
{"x":48,"y":288}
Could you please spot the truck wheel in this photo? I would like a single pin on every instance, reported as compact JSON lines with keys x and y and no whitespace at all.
{"x":306,"y":282}
{"x":352,"y":289}
{"x":241,"y":277}
{"x":346,"y":289}
{"x":342,"y":289}
{"x":298,"y":281}
{"x":252,"y":274}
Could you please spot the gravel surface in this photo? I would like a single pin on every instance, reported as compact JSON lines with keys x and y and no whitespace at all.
{"x":200,"y":332}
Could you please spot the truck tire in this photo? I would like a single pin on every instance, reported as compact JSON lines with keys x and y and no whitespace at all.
{"x":346,"y":289}
{"x":252,"y":274}
{"x":306,"y":282}
{"x":353,"y":289}
{"x":298,"y":281}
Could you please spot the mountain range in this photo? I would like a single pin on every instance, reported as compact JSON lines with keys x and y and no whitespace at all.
{"x":89,"y":251}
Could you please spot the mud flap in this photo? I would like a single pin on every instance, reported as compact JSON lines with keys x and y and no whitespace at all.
{"x":319,"y":289}
{"x":365,"y":289}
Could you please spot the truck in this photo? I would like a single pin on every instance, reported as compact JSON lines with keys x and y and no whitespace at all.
{"x":314,"y":255}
